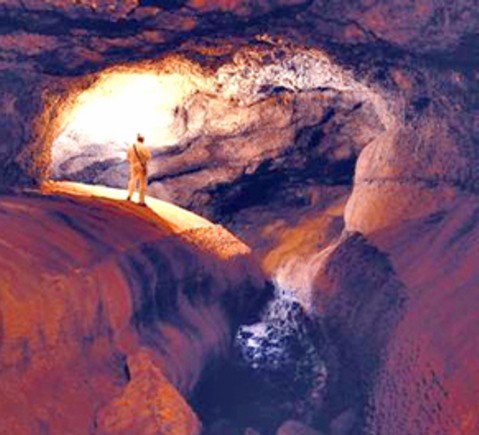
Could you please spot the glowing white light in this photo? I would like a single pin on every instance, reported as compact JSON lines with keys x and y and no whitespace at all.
{"x":124,"y":104}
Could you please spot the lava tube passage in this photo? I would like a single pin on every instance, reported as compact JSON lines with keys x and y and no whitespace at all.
{"x":213,"y":132}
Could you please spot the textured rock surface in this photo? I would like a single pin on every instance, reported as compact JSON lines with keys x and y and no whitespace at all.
{"x":423,"y":163}
{"x":361,"y":300}
{"x":149,"y":404}
{"x":434,"y":345}
{"x":405,"y":312}
{"x":284,"y":350}
{"x":274,"y":115}
{"x":88,"y":287}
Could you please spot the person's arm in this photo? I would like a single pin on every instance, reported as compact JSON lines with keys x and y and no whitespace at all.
{"x":147,"y":154}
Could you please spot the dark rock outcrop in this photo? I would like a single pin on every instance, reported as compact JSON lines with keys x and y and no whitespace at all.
{"x":277,"y":371}
{"x":361,"y":300}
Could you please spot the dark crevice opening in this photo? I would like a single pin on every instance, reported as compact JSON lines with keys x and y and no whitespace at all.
{"x":270,"y":183}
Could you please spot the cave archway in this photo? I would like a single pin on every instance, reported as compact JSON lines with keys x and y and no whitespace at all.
{"x":276,"y":113}
{"x":97,"y":124}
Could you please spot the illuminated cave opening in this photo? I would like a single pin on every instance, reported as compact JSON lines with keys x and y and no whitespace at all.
{"x":103,"y":121}
{"x":221,"y":138}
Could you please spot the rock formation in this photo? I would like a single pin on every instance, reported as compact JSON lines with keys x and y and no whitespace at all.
{"x":109,"y":314}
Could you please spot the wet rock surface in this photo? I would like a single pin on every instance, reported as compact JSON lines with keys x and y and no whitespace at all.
{"x":278,"y":370}
{"x":285,"y":350}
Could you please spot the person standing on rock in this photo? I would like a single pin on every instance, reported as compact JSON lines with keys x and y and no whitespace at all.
{"x":138,"y":157}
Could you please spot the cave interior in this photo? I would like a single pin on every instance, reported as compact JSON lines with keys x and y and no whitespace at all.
{"x":307,"y":260}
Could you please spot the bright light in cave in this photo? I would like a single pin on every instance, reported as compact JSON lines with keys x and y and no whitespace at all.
{"x":124,"y":104}
{"x":99,"y":124}
{"x":105,"y":119}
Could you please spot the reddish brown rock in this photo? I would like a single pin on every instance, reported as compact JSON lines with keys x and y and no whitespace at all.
{"x":403,"y":305}
{"x":149,"y":404}
{"x":85,"y":286}
{"x":431,"y":355}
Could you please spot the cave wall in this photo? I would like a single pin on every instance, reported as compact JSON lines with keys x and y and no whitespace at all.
{"x":273,"y":110}
{"x":427,"y":160}
{"x":21,"y":108}
{"x":401,"y":301}
{"x":413,"y":199}
{"x":434,"y":344}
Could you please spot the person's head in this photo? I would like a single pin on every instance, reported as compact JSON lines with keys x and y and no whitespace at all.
{"x":140,"y":138}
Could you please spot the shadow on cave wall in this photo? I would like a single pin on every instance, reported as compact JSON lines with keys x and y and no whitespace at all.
{"x":271,"y":183}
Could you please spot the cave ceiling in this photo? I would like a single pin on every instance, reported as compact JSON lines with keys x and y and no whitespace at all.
{"x":420,"y":56}
{"x":47,"y":46}
{"x":77,"y":37}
